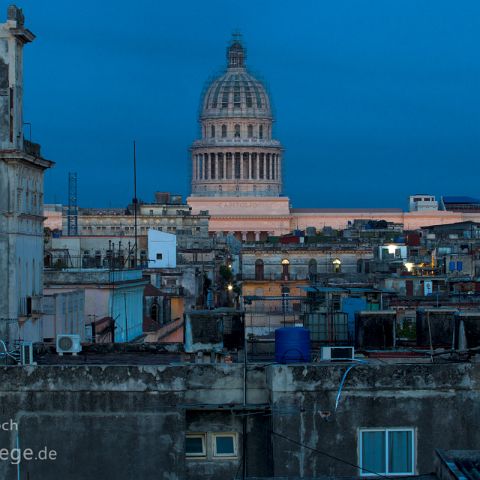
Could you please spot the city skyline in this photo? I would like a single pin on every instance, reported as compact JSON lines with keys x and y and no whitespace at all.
{"x":396,"y":113}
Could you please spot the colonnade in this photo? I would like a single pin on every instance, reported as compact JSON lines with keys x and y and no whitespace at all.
{"x":236,"y":165}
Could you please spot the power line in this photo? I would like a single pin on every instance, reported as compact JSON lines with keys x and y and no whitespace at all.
{"x":325,"y":454}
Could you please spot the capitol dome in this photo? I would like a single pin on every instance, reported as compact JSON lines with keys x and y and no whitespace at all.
{"x":236,"y":154}
{"x":236,"y":93}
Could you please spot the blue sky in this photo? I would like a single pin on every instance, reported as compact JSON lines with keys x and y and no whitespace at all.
{"x":374,"y":100}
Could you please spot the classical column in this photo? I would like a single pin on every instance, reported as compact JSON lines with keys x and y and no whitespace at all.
{"x":257,"y":236}
{"x":244,"y":236}
{"x":279,"y":169}
{"x":249,"y":166}
{"x":240,"y":155}
{"x":273,"y":166}
{"x":206,"y":159}
{"x":194,"y":167}
{"x":216,"y":166}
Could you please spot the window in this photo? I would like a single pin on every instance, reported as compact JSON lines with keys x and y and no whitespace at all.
{"x":260,"y":132}
{"x":250,"y":131}
{"x":212,"y":131}
{"x":224,"y":445}
{"x":195,"y":445}
{"x":224,"y":131}
{"x":386,"y":451}
{"x":337,"y":265}
{"x":312,"y":269}
{"x":236,"y":95}
{"x":225,"y":99}
{"x":259,"y":269}
{"x":237,"y":131}
{"x":285,"y":267}
{"x":159,"y":256}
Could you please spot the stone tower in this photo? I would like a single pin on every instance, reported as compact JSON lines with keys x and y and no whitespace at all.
{"x":21,"y":200}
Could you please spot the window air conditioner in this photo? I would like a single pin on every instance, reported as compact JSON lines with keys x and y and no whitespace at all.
{"x":337,"y":353}
{"x":68,"y":344}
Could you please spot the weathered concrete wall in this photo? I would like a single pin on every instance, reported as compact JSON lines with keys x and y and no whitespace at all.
{"x":124,"y":422}
{"x":110,"y":422}
{"x":441,"y":402}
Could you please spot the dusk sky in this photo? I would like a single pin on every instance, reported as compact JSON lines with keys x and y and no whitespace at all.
{"x":374,"y":100}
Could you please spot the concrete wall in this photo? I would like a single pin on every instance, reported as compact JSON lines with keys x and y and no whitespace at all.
{"x":63,"y":313}
{"x":162,"y":249}
{"x":128,"y":422}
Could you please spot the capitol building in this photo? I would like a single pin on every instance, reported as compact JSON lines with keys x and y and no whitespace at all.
{"x":237,"y":167}
{"x":236,"y":154}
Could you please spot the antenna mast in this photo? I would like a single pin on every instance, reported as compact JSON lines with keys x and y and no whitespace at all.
{"x":135,"y":201}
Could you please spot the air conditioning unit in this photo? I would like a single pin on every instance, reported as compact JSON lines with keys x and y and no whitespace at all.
{"x":68,"y":344}
{"x":26,"y":353}
{"x":337,"y":353}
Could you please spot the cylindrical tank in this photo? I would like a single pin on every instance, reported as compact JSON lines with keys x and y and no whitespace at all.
{"x":292,"y":345}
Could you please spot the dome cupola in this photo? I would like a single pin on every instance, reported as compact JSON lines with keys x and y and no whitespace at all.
{"x":236,"y":155}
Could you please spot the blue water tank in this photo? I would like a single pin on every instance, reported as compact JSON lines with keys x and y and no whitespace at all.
{"x":292,"y":345}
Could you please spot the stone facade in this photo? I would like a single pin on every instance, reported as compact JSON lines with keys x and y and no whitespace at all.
{"x":21,"y":203}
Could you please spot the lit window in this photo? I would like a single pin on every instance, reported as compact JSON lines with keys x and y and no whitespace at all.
{"x":224,"y":445}
{"x":195,"y":445}
{"x":337,"y":265}
{"x":387,"y":451}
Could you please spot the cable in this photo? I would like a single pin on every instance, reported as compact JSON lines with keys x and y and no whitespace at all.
{"x":325,"y":454}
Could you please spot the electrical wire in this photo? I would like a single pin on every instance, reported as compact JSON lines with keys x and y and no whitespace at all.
{"x":325,"y":454}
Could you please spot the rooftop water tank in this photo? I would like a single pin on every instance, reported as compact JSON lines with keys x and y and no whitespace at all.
{"x":292,"y":345}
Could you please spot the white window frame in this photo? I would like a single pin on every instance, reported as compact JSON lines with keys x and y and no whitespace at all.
{"x":363,"y":473}
{"x":214,"y":445}
{"x":203,"y":436}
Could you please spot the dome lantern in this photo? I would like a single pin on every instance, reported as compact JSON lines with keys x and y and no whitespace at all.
{"x":236,"y":52}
